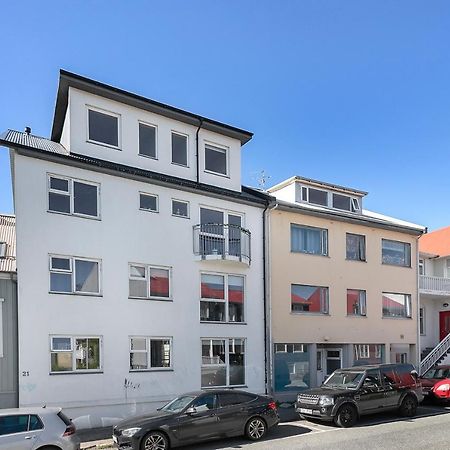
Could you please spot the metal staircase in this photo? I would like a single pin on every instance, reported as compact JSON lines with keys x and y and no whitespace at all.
{"x":436,"y":355}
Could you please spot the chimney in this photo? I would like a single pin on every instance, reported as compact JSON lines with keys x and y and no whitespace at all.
{"x":28,"y":130}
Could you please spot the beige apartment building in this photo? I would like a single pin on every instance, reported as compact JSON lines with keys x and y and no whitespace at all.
{"x":343,"y":284}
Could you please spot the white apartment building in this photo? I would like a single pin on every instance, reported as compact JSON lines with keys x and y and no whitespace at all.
{"x":139,"y":253}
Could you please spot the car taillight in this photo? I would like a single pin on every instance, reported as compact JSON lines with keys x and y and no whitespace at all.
{"x":443,"y":387}
{"x":70,"y":429}
{"x":272,"y":405}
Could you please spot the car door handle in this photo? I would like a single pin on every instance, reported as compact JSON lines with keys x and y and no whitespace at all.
{"x":29,"y":437}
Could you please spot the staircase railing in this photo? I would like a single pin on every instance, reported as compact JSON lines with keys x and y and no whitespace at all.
{"x":435,"y":355}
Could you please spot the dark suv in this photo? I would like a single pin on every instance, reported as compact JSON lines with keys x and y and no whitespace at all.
{"x":350,"y":393}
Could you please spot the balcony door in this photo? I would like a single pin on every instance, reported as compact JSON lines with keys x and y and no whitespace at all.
{"x":444,"y":324}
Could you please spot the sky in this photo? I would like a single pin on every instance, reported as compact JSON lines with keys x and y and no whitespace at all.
{"x":351,"y":92}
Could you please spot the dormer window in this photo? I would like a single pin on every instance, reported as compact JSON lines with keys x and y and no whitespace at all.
{"x":103,"y":128}
{"x":216,"y":160}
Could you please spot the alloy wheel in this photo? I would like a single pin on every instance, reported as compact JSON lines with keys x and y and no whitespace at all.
{"x":155,"y":441}
{"x":256,"y":429}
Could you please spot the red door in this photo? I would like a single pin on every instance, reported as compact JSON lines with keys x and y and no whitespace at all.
{"x":444,"y":324}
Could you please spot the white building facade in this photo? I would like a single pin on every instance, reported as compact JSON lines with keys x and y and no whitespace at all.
{"x":140,"y":256}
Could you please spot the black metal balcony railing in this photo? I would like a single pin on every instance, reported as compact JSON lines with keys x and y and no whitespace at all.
{"x":225,"y":241}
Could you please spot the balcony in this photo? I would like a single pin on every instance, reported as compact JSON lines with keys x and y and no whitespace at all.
{"x":223,"y":242}
{"x":434,"y":285}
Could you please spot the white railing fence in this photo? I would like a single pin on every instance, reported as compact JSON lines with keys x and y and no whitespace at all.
{"x":437,"y":284}
{"x":433,"y":357}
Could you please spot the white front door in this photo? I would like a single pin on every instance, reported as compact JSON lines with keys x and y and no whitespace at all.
{"x":328,"y":360}
{"x":320,"y":366}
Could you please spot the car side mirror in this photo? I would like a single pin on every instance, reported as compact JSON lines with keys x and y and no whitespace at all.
{"x":415,"y":374}
{"x":191,"y":410}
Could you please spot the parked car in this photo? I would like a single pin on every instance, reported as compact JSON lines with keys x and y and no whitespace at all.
{"x":196,"y":417}
{"x":350,"y":393}
{"x":436,"y":384}
{"x":36,"y":429}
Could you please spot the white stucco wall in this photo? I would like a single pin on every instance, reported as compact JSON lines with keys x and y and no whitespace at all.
{"x":124,"y":234}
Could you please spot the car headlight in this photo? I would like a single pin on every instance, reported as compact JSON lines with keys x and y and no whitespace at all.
{"x":326,"y":401}
{"x":130,"y":432}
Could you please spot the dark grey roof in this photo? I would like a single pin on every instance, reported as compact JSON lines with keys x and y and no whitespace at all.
{"x":8,"y":235}
{"x":41,"y":146}
{"x":28,"y":140}
{"x":69,"y":79}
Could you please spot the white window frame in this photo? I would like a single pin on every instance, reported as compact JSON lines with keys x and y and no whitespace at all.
{"x":323,"y":239}
{"x":405,"y":244}
{"x":107,"y":113}
{"x":72,"y":271}
{"x":73,"y":339}
{"x":180,"y":215}
{"x":146,"y":194}
{"x":355,"y":205}
{"x":422,"y":321}
{"x":227,"y":341}
{"x":324,"y":301}
{"x":148,"y":268}
{"x":218,"y":148}
{"x":152,"y":125}
{"x":408,"y":306}
{"x":187,"y":149}
{"x":421,"y":266}
{"x":225,"y":300}
{"x":147,"y":351}
{"x":71,"y":195}
{"x":362,"y":303}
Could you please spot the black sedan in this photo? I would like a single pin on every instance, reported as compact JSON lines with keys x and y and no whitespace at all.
{"x":198,"y":416}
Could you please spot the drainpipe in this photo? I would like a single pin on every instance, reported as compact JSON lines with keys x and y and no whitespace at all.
{"x":197,"y":156}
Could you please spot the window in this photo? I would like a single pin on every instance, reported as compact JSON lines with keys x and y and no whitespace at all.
{"x":103,"y":128}
{"x":70,"y":275}
{"x":355,"y":247}
{"x":356,"y":302}
{"x":396,"y":253}
{"x":342,"y":202}
{"x":75,"y":354}
{"x":318,"y":197}
{"x":422,"y":321}
{"x":396,"y":305}
{"x":19,"y":423}
{"x":291,"y":367}
{"x":309,"y":240}
{"x":309,"y":299}
{"x":148,"y":202}
{"x":401,"y":358}
{"x":147,"y":140}
{"x":179,"y":149}
{"x":235,"y":398}
{"x":70,"y":196}
{"x":216,"y":159}
{"x":148,"y":353}
{"x":421,"y":267}
{"x":368,"y":354}
{"x":149,"y":282}
{"x":204,"y":403}
{"x":180,"y":208}
{"x":222,"y":298}
{"x":223,"y":362}
{"x":2,"y":249}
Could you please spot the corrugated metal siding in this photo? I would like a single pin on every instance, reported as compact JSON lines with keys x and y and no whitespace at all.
{"x":8,"y":235}
{"x":8,"y":363}
{"x":29,"y":140}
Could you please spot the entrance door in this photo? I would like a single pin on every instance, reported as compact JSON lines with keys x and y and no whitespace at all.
{"x":328,"y":360}
{"x":444,"y":324}
{"x":320,"y":366}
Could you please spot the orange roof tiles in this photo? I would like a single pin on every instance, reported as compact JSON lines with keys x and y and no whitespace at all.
{"x":437,"y":242}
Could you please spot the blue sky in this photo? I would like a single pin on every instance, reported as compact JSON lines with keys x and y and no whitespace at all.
{"x":352,"y":92}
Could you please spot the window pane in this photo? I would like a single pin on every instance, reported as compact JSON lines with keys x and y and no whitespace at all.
{"x":236,"y":298}
{"x":160,"y":353}
{"x":138,"y":288}
{"x":13,"y":424}
{"x":138,"y":344}
{"x":103,"y":128}
{"x":309,"y":298}
{"x":237,"y":361}
{"x":216,"y":160}
{"x":308,"y":240}
{"x":35,"y":423}
{"x":60,"y":263}
{"x":61,"y":343}
{"x":396,"y":305}
{"x":204,"y":403}
{"x":147,"y":140}
{"x":61,"y":361}
{"x":212,"y":311}
{"x":159,"y":283}
{"x":356,"y":302}
{"x":138,"y":361}
{"x":213,"y":351}
{"x":86,"y":276}
{"x":137,"y":271}
{"x":291,"y":368}
{"x":81,"y":354}
{"x":318,"y":197}
{"x":60,"y":282}
{"x":93,"y":354}
{"x":212,"y":286}
{"x":368,"y":354}
{"x":59,"y":202}
{"x":356,"y":247}
{"x":210,"y":216}
{"x":59,"y":184}
{"x":214,"y":376}
{"x":148,"y":202}
{"x":179,"y":149}
{"x":85,"y":199}
{"x":180,"y":208}
{"x":341,"y":202}
{"x":396,"y":253}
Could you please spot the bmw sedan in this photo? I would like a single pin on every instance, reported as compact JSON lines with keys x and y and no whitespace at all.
{"x":196,"y":417}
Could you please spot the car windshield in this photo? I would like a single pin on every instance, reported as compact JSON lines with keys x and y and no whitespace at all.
{"x":178,"y":404}
{"x":439,"y":374}
{"x":346,"y":380}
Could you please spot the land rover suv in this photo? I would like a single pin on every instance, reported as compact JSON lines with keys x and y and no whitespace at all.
{"x":350,"y":393}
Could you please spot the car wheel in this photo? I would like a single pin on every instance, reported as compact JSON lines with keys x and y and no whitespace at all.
{"x":346,"y":416}
{"x":408,"y":407}
{"x":155,"y":441}
{"x":255,"y":429}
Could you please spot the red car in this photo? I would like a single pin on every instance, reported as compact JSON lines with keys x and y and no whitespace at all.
{"x":436,"y":384}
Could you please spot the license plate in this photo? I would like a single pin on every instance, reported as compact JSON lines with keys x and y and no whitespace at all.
{"x":115,"y":439}
{"x":306,"y":411}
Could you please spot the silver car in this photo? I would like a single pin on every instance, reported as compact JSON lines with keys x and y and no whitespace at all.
{"x":36,"y":429}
